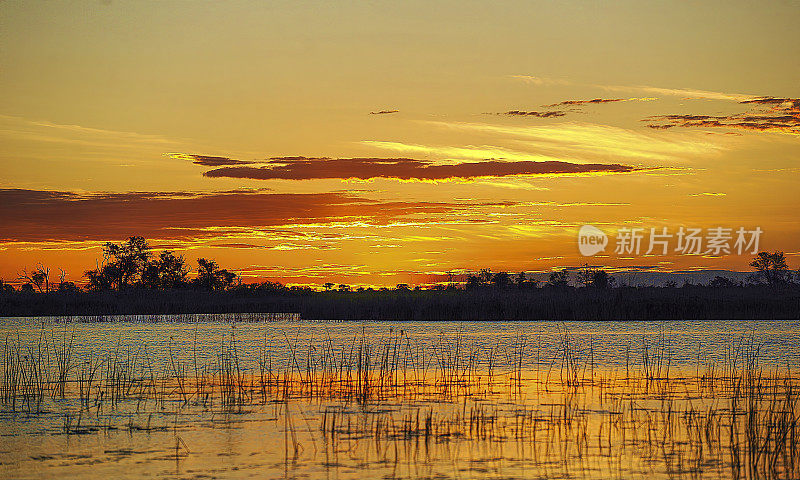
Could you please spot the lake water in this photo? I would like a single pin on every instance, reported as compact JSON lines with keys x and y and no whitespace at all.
{"x":687,"y":340}
{"x":292,"y":399}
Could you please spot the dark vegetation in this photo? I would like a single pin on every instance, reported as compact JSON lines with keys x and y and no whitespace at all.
{"x":131,"y":280}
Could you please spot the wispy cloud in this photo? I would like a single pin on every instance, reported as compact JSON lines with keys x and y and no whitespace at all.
{"x":466,"y":152}
{"x":103,"y":137}
{"x":540,"y":80}
{"x":782,"y":116}
{"x":689,"y":93}
{"x":568,"y":103}
{"x":573,"y":140}
{"x":676,"y":92}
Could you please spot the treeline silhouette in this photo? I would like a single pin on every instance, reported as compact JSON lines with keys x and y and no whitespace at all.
{"x":131,"y":280}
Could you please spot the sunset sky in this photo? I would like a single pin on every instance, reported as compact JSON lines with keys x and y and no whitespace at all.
{"x":375,"y":143}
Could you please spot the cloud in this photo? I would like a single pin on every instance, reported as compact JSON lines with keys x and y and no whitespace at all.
{"x":36,"y":215}
{"x":788,"y":105}
{"x":576,"y":140}
{"x":688,"y":93}
{"x":94,"y":132}
{"x":15,"y":128}
{"x":384,"y":112}
{"x":208,"y":160}
{"x":782,"y":116}
{"x":465,"y":152}
{"x":691,"y":93}
{"x":569,"y":103}
{"x":523,"y":113}
{"x":405,"y":169}
{"x":588,"y":102}
{"x":761,"y":123}
{"x":540,"y":80}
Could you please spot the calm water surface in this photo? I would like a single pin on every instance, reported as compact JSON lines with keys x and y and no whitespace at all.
{"x":612,"y":343}
{"x":536,"y":428}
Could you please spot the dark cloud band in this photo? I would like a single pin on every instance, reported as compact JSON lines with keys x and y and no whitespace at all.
{"x":403,"y":169}
{"x":34,"y":215}
{"x":532,"y":113}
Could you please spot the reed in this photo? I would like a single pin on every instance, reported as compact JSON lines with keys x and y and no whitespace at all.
{"x":392,"y":398}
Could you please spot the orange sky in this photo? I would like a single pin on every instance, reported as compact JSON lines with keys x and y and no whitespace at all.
{"x":258,"y":133}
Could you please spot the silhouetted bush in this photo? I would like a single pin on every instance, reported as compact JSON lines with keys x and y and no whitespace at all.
{"x":564,"y":303}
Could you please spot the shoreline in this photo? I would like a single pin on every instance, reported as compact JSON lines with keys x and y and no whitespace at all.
{"x":756,"y":302}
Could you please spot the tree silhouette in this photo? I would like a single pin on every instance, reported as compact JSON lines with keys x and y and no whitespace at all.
{"x":473,"y":282}
{"x":485,"y":276}
{"x":501,"y":280}
{"x":559,"y":279}
{"x":38,"y":278}
{"x":523,"y":282}
{"x":771,"y":268}
{"x":601,"y":279}
{"x":211,"y":277}
{"x":270,"y":287}
{"x":6,"y":287}
{"x":585,"y":276}
{"x":167,"y":272}
{"x":722,"y":282}
{"x":122,"y":265}
{"x":595,"y":278}
{"x":100,"y":279}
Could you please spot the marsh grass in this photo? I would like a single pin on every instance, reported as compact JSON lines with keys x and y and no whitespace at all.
{"x":390,"y":400}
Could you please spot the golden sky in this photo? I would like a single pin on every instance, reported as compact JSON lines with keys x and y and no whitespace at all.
{"x":386,"y":142}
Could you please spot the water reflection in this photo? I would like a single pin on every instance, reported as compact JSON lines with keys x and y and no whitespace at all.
{"x":402,"y":400}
